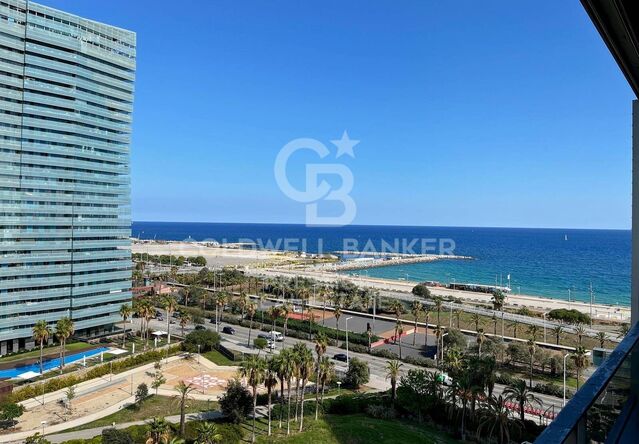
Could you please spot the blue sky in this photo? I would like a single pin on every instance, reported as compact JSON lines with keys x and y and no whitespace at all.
{"x":469,"y":113}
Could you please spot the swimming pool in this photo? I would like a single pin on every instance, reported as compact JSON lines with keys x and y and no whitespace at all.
{"x":50,"y":364}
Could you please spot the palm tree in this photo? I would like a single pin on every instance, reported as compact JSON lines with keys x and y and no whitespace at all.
{"x":580,"y":331}
{"x":392,"y":373}
{"x":185,"y":318}
{"x":274,"y":312}
{"x":321,"y":344}
{"x":465,"y":392}
{"x":207,"y":433}
{"x":242,"y":302}
{"x":524,"y":396}
{"x":184,"y":390}
{"x":601,"y":337}
{"x":498,"y":300}
{"x":623,"y":330}
{"x":438,"y":335}
{"x":399,"y":328}
{"x":326,"y":375}
{"x":170,"y":305}
{"x":496,"y":418}
{"x":305,"y":371}
{"x":533,"y":331}
{"x":41,"y":333}
{"x":270,"y":381}
{"x":416,"y":309}
{"x":323,"y":293}
{"x":514,"y":324}
{"x":476,"y":319}
{"x":532,"y":346}
{"x":284,"y":371}
{"x":580,"y":356}
{"x":439,"y":304}
{"x":125,"y":313}
{"x":286,"y":311}
{"x":557,"y":331}
{"x":220,"y":301}
{"x":481,"y":337}
{"x":251,"y":308}
{"x":253,"y":368}
{"x":159,"y":431}
{"x":494,"y":319}
{"x":63,"y":330}
{"x":398,"y":308}
{"x":457,"y":314}
{"x":426,"y":320}
{"x":337,"y":312}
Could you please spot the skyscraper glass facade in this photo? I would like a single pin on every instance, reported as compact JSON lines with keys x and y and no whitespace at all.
{"x":66,"y":96}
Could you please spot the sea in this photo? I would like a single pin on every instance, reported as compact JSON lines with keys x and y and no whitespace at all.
{"x":556,"y":263}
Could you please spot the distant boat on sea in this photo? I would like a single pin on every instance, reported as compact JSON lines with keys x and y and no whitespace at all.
{"x":565,"y":237}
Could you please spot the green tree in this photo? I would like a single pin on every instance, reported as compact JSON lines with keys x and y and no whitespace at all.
{"x":207,"y":433}
{"x":70,"y":395}
{"x":416,"y":309}
{"x":251,"y":308}
{"x":321,"y":344}
{"x":270,"y":382}
{"x":392,"y":372}
{"x":519,"y":393}
{"x":115,"y":436}
{"x":601,"y":337}
{"x":184,"y":391}
{"x":439,"y":305}
{"x":305,"y":371}
{"x":253,"y":369}
{"x":36,"y":439}
{"x":125,"y":313}
{"x":495,"y":419}
{"x":581,"y":360}
{"x":141,"y":393}
{"x":170,"y":305}
{"x":159,"y":431}
{"x":481,"y":338}
{"x":475,"y":319}
{"x":158,"y":380}
{"x":498,"y":299}
{"x":532,"y":346}
{"x":236,"y":403}
{"x":421,"y":290}
{"x":557,"y":332}
{"x":357,"y":374}
{"x":9,"y":412}
{"x":63,"y":330}
{"x":41,"y":333}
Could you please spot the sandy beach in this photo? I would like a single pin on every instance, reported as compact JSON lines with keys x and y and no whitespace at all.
{"x":215,"y":256}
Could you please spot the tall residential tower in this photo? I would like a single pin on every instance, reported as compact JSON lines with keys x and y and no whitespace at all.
{"x":66,"y":94}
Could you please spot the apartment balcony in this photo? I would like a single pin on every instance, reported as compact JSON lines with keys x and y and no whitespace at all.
{"x":606,"y":408}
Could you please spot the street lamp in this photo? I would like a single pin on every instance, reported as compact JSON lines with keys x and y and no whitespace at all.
{"x":43,"y":424}
{"x":346,"y":327}
{"x":565,"y":356}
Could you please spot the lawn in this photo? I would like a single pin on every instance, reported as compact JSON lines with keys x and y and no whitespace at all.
{"x":357,"y":429}
{"x":218,"y":358}
{"x":35,"y":353}
{"x":159,"y":406}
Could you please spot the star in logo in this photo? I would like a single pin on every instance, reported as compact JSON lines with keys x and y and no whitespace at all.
{"x":345,"y":145}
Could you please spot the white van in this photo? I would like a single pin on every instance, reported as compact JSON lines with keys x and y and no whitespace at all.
{"x":276,"y":336}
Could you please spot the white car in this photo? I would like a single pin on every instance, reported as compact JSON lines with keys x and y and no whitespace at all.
{"x":276,"y":336}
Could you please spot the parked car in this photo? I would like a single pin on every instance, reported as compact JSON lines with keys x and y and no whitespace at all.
{"x":266,"y":336}
{"x":160,"y":318}
{"x":228,"y":330}
{"x":340,"y":357}
{"x":200,"y":327}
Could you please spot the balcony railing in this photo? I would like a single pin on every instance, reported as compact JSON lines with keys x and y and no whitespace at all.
{"x":605,"y":408}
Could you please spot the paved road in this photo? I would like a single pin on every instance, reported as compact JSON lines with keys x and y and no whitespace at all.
{"x":377,"y":365}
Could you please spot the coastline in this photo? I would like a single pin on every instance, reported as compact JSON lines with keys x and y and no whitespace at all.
{"x":275,"y":262}
{"x":536,"y":303}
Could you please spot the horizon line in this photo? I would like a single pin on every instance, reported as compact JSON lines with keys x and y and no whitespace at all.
{"x":383,"y":225}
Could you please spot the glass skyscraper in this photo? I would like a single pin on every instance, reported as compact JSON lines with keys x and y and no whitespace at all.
{"x":66,"y":96}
